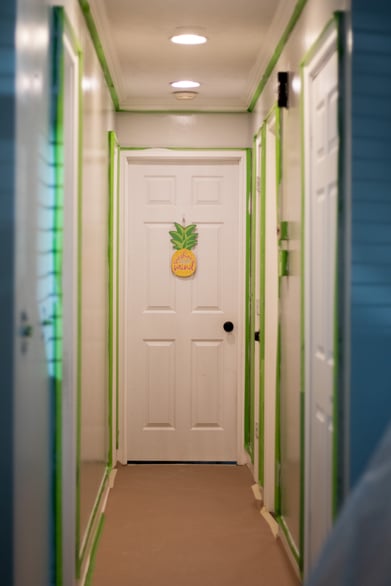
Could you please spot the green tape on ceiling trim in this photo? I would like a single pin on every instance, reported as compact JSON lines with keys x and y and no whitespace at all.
{"x":184,"y":112}
{"x":195,"y":149}
{"x":94,"y":551}
{"x":277,"y":53}
{"x":262,"y":309}
{"x":85,"y":7}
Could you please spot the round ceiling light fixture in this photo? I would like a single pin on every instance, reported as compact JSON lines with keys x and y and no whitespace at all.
{"x":185,"y":95}
{"x":185,"y":84}
{"x":188,"y":39}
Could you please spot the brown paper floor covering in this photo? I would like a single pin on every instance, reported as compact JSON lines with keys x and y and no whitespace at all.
{"x":187,"y":525}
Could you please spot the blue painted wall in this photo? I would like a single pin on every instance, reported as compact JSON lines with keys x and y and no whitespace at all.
{"x":371,"y":230}
{"x":7,"y":137}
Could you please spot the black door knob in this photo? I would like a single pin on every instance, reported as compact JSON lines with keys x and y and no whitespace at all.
{"x":228,"y":326}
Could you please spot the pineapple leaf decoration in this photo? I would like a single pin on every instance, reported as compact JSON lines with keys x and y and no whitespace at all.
{"x":184,"y":236}
{"x":183,"y":239}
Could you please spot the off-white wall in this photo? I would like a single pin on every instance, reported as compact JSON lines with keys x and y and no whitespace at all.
{"x":96,"y":121}
{"x":315,"y":16}
{"x":184,"y":130}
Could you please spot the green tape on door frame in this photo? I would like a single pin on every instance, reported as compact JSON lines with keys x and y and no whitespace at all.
{"x":117,"y":297}
{"x":336,"y":23}
{"x":248,"y":152}
{"x":277,"y":497}
{"x":262,"y":243}
{"x":262,"y":273}
{"x":110,"y":254}
{"x":58,"y":220}
{"x":249,"y":337}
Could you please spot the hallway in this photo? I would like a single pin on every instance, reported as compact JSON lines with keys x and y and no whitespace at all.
{"x":187,"y":524}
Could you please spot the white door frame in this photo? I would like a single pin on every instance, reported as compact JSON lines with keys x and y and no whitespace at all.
{"x":256,"y":211}
{"x":209,"y":156}
{"x":271,"y":305}
{"x":69,"y":288}
{"x":321,"y":54}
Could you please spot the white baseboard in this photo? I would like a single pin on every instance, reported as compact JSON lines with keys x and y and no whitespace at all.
{"x":94,"y":532}
{"x":270,"y":520}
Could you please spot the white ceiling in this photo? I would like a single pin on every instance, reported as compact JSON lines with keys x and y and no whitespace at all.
{"x":142,"y":61}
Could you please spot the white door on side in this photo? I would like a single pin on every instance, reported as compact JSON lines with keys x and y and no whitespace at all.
{"x":180,"y":364}
{"x":320,"y":250}
{"x":271,"y":315}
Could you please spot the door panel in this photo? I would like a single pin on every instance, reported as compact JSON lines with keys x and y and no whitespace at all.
{"x":181,"y":383}
{"x":321,"y":221}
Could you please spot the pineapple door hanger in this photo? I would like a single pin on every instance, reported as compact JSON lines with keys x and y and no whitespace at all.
{"x":184,"y":239}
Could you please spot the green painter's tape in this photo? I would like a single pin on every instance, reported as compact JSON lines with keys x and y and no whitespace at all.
{"x":277,"y":52}
{"x":249,"y":403}
{"x":283,"y":255}
{"x":117,"y":299}
{"x":195,"y":149}
{"x":58,"y":225}
{"x":98,"y":503}
{"x":183,"y":112}
{"x":248,"y":408}
{"x":79,"y":308}
{"x":71,"y":35}
{"x":318,"y":43}
{"x":339,"y":462}
{"x":110,"y":253}
{"x":302,"y":332}
{"x":302,"y":485}
{"x":282,"y":523}
{"x":251,"y":301}
{"x":277,"y":492}
{"x":94,"y":551}
{"x":85,"y":7}
{"x":262,"y":310}
{"x":336,"y":21}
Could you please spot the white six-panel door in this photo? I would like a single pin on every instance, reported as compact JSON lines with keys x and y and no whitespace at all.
{"x":180,"y":367}
{"x":321,"y":99}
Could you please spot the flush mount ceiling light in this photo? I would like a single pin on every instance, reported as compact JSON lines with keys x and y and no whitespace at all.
{"x":185,"y":84}
{"x":188,"y":39}
{"x":185,"y":95}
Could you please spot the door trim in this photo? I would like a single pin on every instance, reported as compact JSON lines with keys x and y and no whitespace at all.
{"x":324,"y":47}
{"x":207,"y":155}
